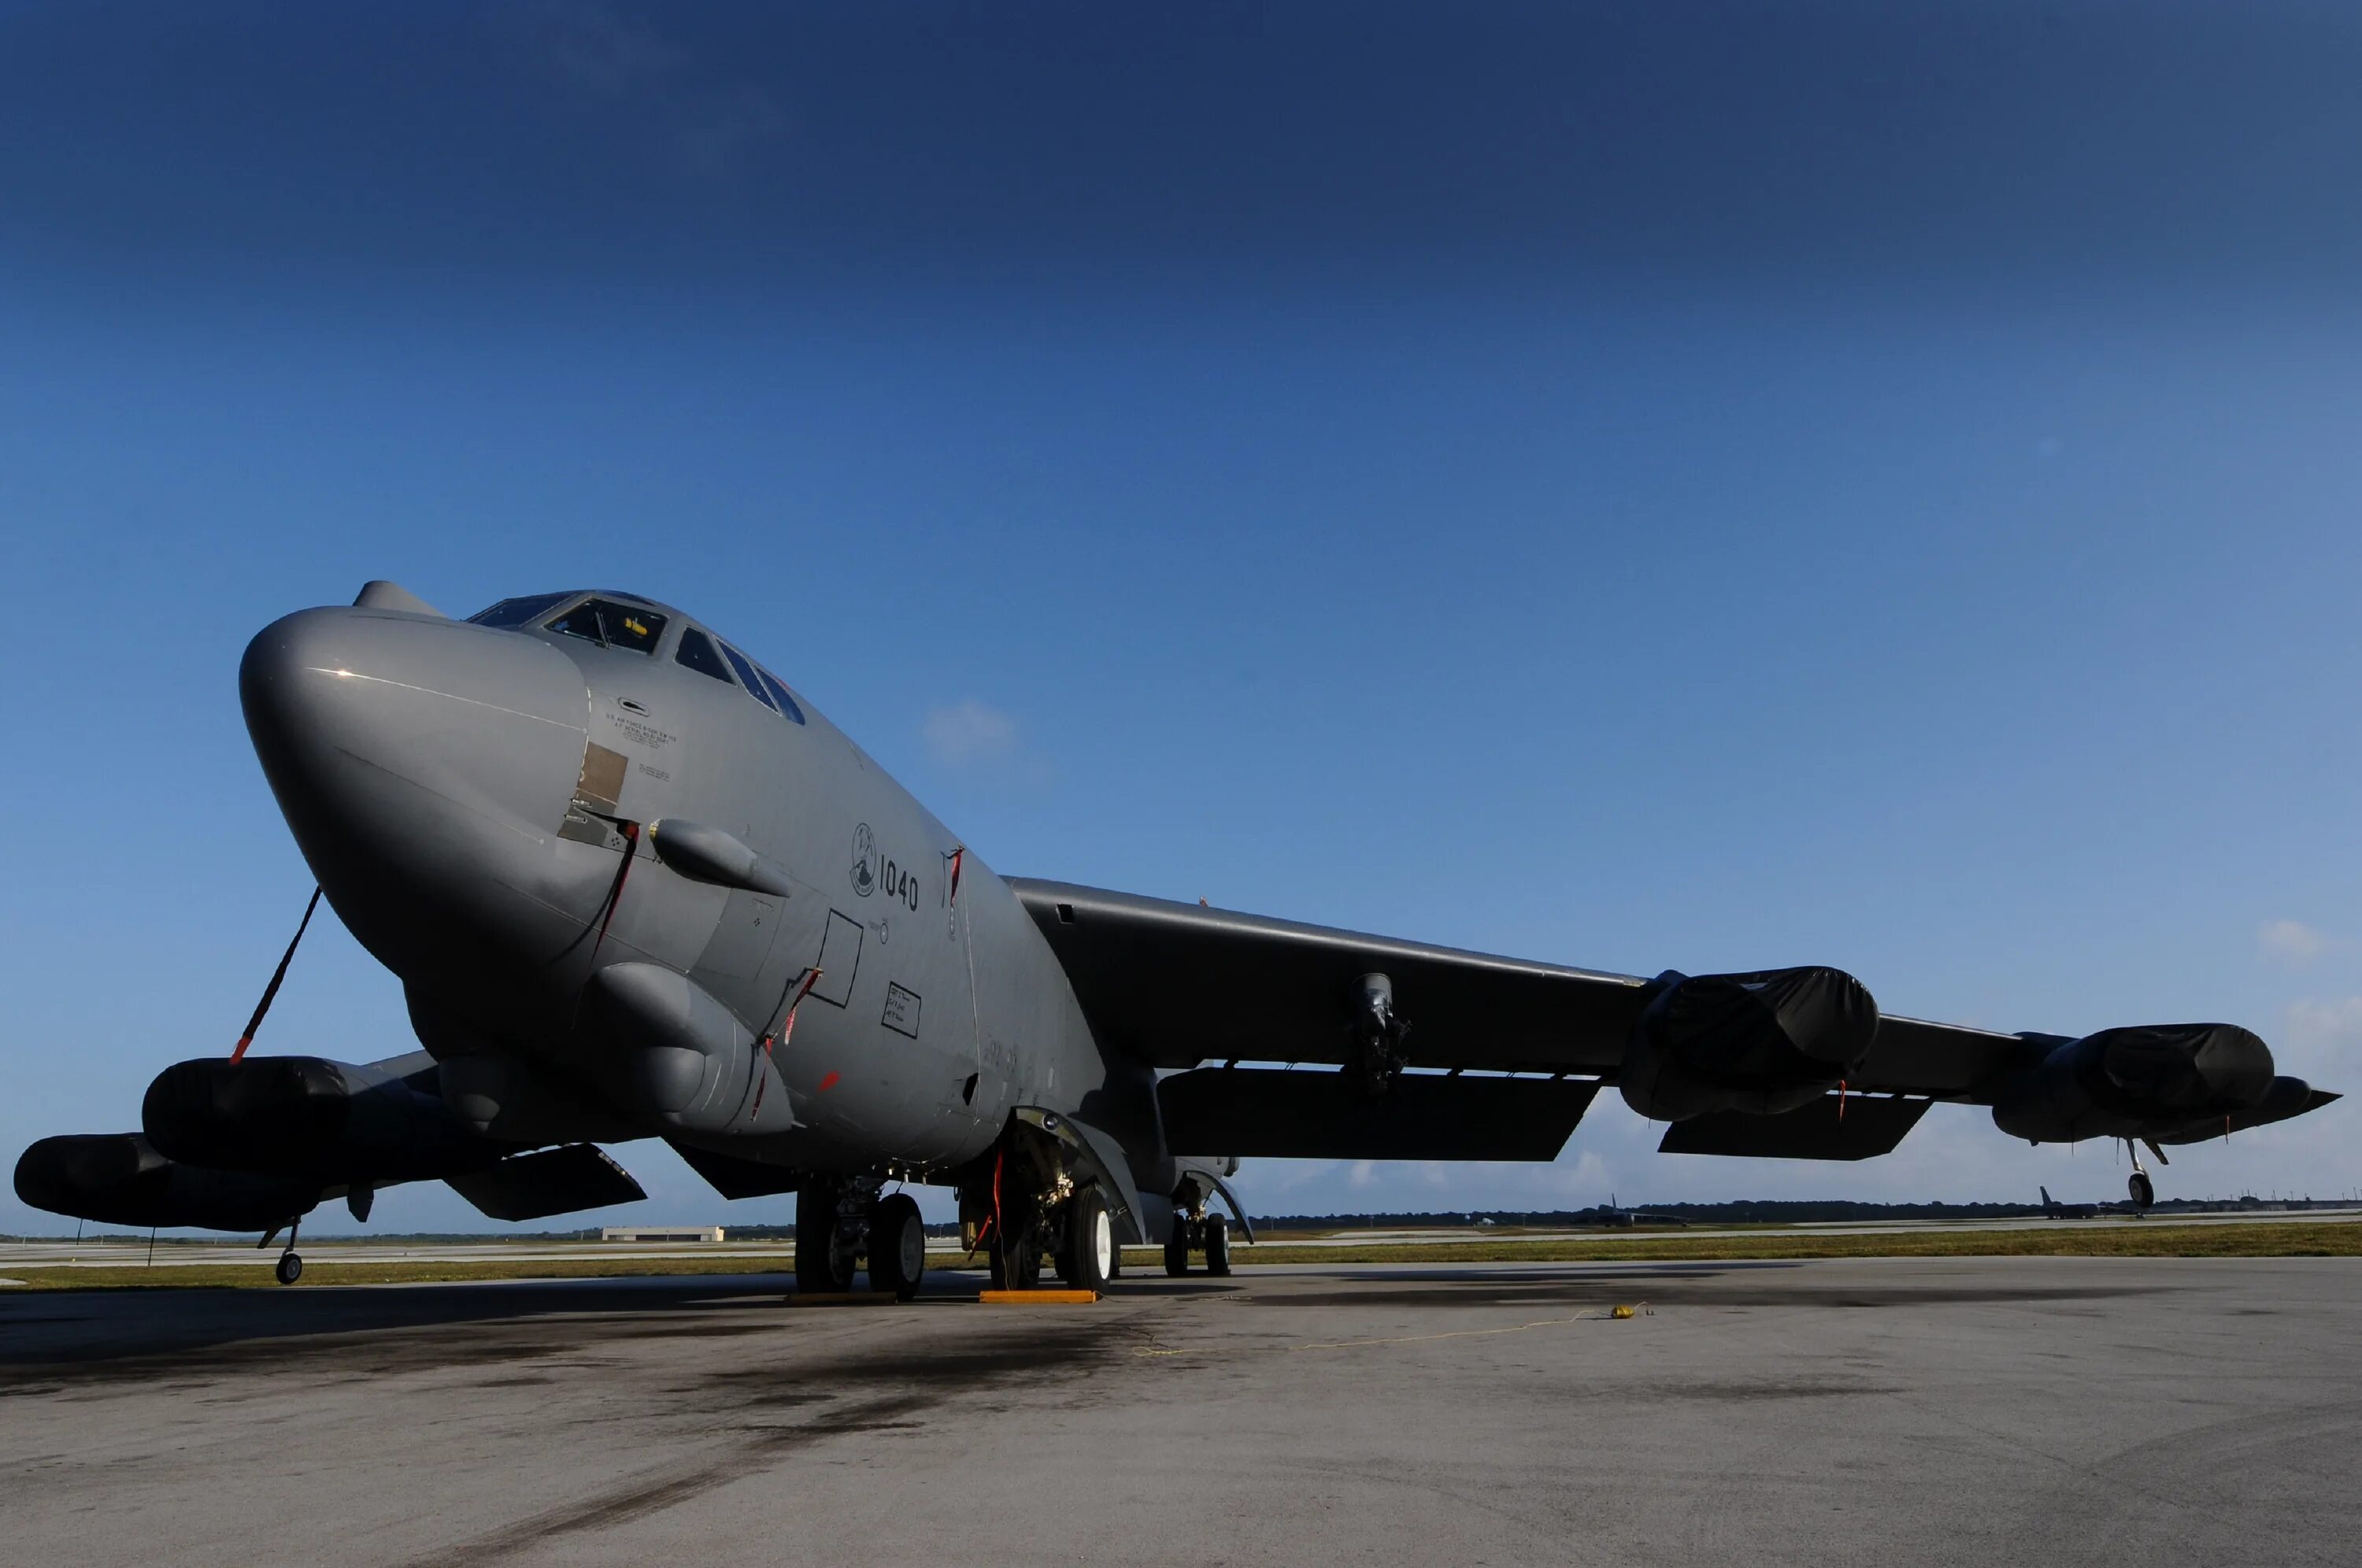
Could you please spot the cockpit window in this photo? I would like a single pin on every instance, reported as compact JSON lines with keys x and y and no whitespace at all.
{"x":746,"y":676}
{"x":696,"y":651}
{"x":612,"y":625}
{"x":517,"y":611}
{"x":780,"y":690}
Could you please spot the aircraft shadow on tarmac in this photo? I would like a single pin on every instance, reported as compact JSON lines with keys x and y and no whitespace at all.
{"x":103,"y":1335}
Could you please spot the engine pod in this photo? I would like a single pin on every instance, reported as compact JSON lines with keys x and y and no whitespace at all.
{"x":307,"y":1116}
{"x":2142,"y":1081}
{"x":118,"y":1178}
{"x":1763,"y":1043}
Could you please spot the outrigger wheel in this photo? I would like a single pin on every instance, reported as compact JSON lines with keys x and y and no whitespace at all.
{"x":290,"y":1268}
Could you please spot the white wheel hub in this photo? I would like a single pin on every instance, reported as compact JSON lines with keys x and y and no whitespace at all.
{"x":913,"y":1247}
{"x":1103,"y":1243}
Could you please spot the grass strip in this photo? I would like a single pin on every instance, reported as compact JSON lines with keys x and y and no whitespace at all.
{"x":2326,"y":1238}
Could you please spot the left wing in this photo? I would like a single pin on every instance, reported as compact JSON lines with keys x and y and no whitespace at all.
{"x":1793,"y":1062}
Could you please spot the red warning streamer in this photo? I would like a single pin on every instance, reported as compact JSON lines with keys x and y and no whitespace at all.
{"x":785,"y":1033}
{"x":238,"y":1051}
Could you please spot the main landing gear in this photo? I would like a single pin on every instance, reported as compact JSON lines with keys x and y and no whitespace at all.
{"x":1025,"y":1202}
{"x":842,"y":1222}
{"x":1194,"y":1230}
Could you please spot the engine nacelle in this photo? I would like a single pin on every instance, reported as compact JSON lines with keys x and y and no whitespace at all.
{"x":118,"y":1178}
{"x":1764,"y":1042}
{"x":304,"y":1116}
{"x":2155,"y":1081}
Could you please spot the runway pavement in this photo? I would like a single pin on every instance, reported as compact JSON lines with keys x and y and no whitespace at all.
{"x":2136,"y":1411}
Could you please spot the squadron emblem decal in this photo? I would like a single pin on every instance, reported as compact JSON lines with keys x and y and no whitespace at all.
{"x":865,"y":860}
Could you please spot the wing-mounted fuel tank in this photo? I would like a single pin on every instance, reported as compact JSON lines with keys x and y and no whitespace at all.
{"x":119,"y":1178}
{"x":2169,"y":1083}
{"x":1763,"y":1043}
{"x":331,"y":1122}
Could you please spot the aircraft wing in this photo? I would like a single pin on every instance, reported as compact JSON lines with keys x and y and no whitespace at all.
{"x":1176,"y":985}
{"x":1180,"y":986}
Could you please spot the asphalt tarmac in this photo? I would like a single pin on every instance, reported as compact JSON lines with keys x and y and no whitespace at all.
{"x":1970,"y":1410}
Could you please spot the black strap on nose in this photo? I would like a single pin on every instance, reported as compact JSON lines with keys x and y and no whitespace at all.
{"x":631,"y":831}
{"x":238,"y":1051}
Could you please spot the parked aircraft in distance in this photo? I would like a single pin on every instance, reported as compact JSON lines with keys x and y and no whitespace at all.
{"x":634,"y":885}
{"x":2054,"y":1209}
{"x":1610,"y":1213}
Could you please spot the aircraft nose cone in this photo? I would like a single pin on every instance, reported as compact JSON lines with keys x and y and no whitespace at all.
{"x":422,"y":764}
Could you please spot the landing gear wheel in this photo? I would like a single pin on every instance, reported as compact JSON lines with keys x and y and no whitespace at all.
{"x":1088,"y":1250}
{"x":291,"y":1267}
{"x":897,"y":1247}
{"x":2143,"y":1192}
{"x":822,"y":1268}
{"x":1176,"y":1248}
{"x":1016,"y":1266}
{"x":1218,"y":1245}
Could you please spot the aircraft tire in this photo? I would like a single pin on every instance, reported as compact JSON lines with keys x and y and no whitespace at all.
{"x":1017,"y":1267}
{"x":1176,"y":1248}
{"x":1218,"y":1245}
{"x":821,"y":1269}
{"x":1087,"y":1250}
{"x":897,"y":1247}
{"x":2143,"y":1191}
{"x":291,"y":1267}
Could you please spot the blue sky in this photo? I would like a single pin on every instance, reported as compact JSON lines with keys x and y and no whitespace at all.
{"x":1697,"y":486}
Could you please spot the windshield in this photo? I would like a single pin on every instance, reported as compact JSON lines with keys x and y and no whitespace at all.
{"x":612,"y":623}
{"x":517,"y":611}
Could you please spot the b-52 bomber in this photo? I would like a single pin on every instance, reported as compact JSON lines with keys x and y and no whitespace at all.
{"x":634,"y":885}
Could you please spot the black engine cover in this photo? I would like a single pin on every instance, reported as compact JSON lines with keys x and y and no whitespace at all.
{"x":2159,"y":1081}
{"x":1764,"y":1043}
{"x":307,"y":1116}
{"x":118,"y":1178}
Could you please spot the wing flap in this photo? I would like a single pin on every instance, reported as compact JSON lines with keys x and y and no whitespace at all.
{"x":554,"y":1181}
{"x":1867,"y":1127}
{"x":1267,"y":1112}
{"x":733,"y":1177}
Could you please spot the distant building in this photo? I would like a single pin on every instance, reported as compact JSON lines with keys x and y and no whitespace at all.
{"x":660,"y":1232}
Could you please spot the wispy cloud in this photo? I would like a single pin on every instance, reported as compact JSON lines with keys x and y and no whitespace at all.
{"x":705,"y":117}
{"x":2332,"y":1026}
{"x":2291,"y":942}
{"x":598,"y":47}
{"x":976,"y":738}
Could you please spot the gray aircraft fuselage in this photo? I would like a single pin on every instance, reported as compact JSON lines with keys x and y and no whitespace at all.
{"x":463,"y":791}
